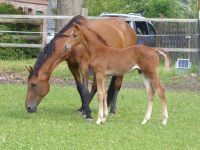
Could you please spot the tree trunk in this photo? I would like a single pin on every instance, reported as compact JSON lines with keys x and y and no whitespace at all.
{"x":67,"y":8}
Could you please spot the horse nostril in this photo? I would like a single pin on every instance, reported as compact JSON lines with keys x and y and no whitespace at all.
{"x":31,"y":109}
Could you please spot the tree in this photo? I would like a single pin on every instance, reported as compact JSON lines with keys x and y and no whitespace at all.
{"x":149,"y":8}
{"x":68,"y":8}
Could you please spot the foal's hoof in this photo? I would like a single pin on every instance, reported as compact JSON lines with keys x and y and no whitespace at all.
{"x":164,"y":122}
{"x":101,"y":121}
{"x":144,"y":121}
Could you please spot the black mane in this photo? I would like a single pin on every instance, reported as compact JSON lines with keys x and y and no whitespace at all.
{"x":50,"y":47}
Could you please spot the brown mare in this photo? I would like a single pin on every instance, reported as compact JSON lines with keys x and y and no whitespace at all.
{"x":106,"y":60}
{"x":118,"y":34}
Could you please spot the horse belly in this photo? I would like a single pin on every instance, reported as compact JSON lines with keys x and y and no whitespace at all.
{"x":118,"y":70}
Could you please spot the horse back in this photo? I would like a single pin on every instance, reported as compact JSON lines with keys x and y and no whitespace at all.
{"x":116,"y":32}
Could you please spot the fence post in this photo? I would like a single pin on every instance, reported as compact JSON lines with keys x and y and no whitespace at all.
{"x":198,"y":63}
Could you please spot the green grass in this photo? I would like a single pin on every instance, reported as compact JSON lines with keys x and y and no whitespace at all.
{"x":57,"y":125}
{"x":18,"y":66}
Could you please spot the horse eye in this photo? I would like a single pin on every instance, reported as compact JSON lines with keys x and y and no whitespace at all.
{"x":74,"y":35}
{"x":33,"y":85}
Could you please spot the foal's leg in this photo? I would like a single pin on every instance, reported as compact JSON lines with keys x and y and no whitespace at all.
{"x":113,"y":90}
{"x":105,"y":107}
{"x":101,"y":95}
{"x":150,"y":93}
{"x":161,"y":92}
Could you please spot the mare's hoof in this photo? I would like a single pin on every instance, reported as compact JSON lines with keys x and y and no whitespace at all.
{"x":88,"y":119}
{"x":112,"y":113}
{"x":83,"y":114}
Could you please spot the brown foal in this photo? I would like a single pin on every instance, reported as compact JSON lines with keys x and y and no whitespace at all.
{"x":106,"y":60}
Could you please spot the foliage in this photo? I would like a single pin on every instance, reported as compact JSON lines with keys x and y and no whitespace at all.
{"x":6,"y":8}
{"x":15,"y":53}
{"x":149,"y":8}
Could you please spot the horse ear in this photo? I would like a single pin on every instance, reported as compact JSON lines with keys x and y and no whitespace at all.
{"x":76,"y":25}
{"x":31,"y":68}
{"x":28,"y":69}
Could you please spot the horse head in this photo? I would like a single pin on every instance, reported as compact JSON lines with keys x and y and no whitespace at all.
{"x":38,"y":87}
{"x":76,"y":37}
{"x":38,"y":81}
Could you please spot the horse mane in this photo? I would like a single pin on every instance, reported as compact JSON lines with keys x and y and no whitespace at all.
{"x":98,"y":36}
{"x":50,"y":47}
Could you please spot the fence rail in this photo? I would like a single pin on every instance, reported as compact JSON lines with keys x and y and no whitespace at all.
{"x":174,"y":35}
{"x":21,"y":45}
{"x":94,"y":17}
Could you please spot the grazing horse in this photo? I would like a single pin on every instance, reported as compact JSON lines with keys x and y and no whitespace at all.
{"x":119,"y":34}
{"x":106,"y":60}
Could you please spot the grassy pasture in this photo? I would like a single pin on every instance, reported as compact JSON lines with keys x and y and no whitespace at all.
{"x":57,"y":125}
{"x":62,"y":71}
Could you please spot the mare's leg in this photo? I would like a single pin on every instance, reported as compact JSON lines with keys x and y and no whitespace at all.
{"x":94,"y":89}
{"x":113,"y":90}
{"x":75,"y":72}
{"x":85,"y":91}
{"x":150,"y":93}
{"x":101,"y":97}
{"x":161,"y":92}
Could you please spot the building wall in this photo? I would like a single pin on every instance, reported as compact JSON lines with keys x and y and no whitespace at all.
{"x":30,"y":6}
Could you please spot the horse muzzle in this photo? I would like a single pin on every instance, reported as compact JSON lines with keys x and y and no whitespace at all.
{"x":31,"y":108}
{"x":68,"y":47}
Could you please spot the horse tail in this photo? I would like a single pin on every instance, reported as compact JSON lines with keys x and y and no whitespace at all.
{"x":166,"y":56}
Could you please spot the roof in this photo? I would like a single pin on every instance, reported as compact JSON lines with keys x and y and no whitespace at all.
{"x":41,"y":2}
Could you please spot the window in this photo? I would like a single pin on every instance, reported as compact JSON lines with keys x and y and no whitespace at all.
{"x":141,"y":28}
{"x":21,"y":9}
{"x":151,"y":29}
{"x":30,"y":11}
{"x":39,"y":13}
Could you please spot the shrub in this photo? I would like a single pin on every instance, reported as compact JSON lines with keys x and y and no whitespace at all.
{"x":15,"y":53}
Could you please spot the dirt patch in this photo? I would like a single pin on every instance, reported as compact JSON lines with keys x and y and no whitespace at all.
{"x":189,"y":83}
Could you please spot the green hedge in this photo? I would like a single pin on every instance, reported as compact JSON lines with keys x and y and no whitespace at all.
{"x":15,"y":53}
{"x":18,"y":53}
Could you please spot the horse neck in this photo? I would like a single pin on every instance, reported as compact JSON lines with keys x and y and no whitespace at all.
{"x":94,"y":44}
{"x":48,"y":66}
